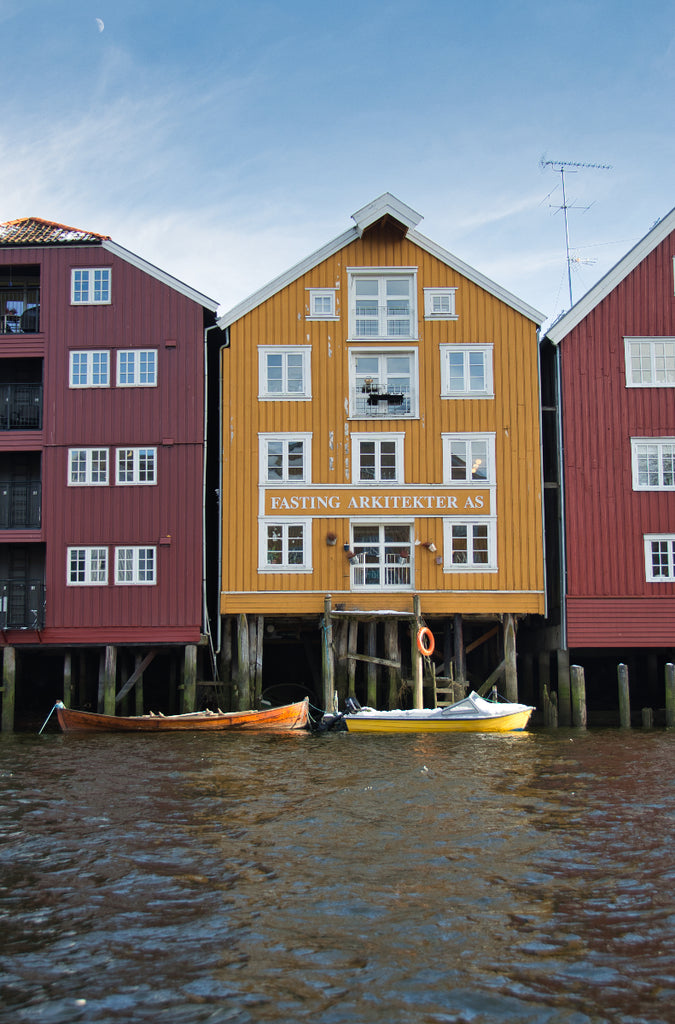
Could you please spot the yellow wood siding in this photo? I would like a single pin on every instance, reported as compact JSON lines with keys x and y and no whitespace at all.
{"x":517,"y":585}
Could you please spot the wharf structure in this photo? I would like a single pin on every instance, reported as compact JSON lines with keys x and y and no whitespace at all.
{"x":102,"y":442}
{"x":608,"y":374}
{"x":381,"y":470}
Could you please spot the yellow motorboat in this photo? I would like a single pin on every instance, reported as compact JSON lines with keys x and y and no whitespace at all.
{"x":472,"y":714}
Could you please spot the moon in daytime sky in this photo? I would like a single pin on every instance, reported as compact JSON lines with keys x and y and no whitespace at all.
{"x":100,"y":24}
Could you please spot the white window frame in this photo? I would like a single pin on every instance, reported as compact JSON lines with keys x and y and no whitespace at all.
{"x":90,"y":457}
{"x":660,"y":538}
{"x":469,"y":439}
{"x":392,"y":569}
{"x":89,"y":373}
{"x":264,"y":393}
{"x":137,"y":568}
{"x":664,"y":451}
{"x":469,"y":522}
{"x":382,"y":411}
{"x":90,"y":286}
{"x":137,"y":455}
{"x":382,"y":274}
{"x":92,"y":570}
{"x":486,"y":351}
{"x":284,"y":523}
{"x":285,"y":439}
{"x":358,"y":439}
{"x":445,"y":295}
{"x":651,"y":357}
{"x":133,"y":360}
{"x":319,"y":296}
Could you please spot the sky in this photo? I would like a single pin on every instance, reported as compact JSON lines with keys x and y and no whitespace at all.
{"x":224,"y":142}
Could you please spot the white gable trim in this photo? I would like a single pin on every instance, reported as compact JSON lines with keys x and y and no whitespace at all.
{"x":160,"y":275}
{"x":612,"y":278}
{"x":385,"y":205}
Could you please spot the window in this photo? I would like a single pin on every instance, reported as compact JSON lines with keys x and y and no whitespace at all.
{"x":285,"y":545}
{"x":439,"y":304}
{"x":469,"y":459}
{"x":377,"y":458}
{"x":382,"y":555}
{"x":650,"y":362}
{"x":285,"y":458}
{"x":284,"y":371}
{"x":660,"y":557}
{"x":136,"y":465}
{"x":653,"y":463}
{"x":87,"y":466}
{"x":87,"y":566}
{"x":469,"y":545}
{"x":137,"y":368}
{"x":90,"y":287}
{"x":135,"y":565}
{"x":322,"y":304}
{"x":382,"y":303}
{"x":89,"y":369}
{"x":466,"y":371}
{"x":383,"y":384}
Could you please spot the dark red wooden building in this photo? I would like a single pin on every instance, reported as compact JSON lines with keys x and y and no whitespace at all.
{"x":102,"y":442}
{"x":609,"y":371}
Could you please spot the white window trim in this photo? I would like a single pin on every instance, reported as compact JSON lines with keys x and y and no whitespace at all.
{"x":89,"y":550}
{"x":284,"y":396}
{"x":429,"y":313}
{"x":285,"y":436}
{"x":136,"y":549}
{"x":90,"y":302}
{"x":447,"y":439}
{"x":383,"y":587}
{"x":627,"y":361}
{"x":635,"y":444}
{"x":448,"y":522}
{"x":330,"y":293}
{"x":649,"y":538}
{"x":136,"y":353}
{"x":377,"y":350}
{"x":88,"y":352}
{"x":263,"y":523}
{"x":135,"y":482}
{"x":88,"y":469}
{"x":488,"y":350}
{"x":357,"y":437}
{"x":353,"y":273}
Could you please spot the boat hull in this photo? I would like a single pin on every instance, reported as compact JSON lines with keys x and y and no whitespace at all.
{"x":283,"y":719}
{"x":515,"y":722}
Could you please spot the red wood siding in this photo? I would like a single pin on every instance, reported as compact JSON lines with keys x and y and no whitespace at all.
{"x":605,"y":519}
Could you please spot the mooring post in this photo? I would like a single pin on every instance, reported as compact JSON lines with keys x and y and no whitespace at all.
{"x":564,"y":694}
{"x":417,"y":660}
{"x":327,"y":660}
{"x":670,"y":695}
{"x":578,"y":696}
{"x":624,"y":696}
{"x":8,"y":688}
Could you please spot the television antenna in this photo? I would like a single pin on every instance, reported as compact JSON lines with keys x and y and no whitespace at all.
{"x":571,"y":166}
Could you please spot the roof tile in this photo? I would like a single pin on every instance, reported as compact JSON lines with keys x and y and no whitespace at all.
{"x":36,"y":231}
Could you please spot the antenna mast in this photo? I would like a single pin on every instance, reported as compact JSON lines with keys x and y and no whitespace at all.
{"x":560,"y":165}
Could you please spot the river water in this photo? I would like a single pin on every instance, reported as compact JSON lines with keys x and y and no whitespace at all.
{"x":335,"y":878}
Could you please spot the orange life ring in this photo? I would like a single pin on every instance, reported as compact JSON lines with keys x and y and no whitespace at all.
{"x":425,"y":641}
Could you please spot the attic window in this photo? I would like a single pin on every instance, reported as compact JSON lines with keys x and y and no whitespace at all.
{"x":439,"y":304}
{"x":90,"y":286}
{"x":322,"y":305}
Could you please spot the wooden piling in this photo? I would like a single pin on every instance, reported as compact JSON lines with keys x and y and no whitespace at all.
{"x":327,"y":659}
{"x":578,"y":696}
{"x":510,"y":673}
{"x":544,"y":666}
{"x":624,"y":696}
{"x":647,"y":718}
{"x":460,"y":653}
{"x":8,"y":688}
{"x":138,"y":692}
{"x":417,"y":659}
{"x":226,"y":649}
{"x":564,"y":691}
{"x":371,"y":667}
{"x":670,"y":695}
{"x":351,"y":649}
{"x":109,"y":679}
{"x":243,"y":665}
{"x":190,"y":679}
{"x":392,"y":652}
{"x":68,"y":679}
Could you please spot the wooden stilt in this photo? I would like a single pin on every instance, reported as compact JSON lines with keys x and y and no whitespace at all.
{"x":624,"y":696}
{"x":351,"y":649}
{"x":172,"y":694}
{"x":327,"y":661}
{"x":190,"y":678}
{"x":8,"y":688}
{"x":226,"y":649}
{"x":670,"y":695}
{"x":243,"y":669}
{"x":371,"y":668}
{"x":647,"y":718}
{"x":341,"y":664}
{"x":510,"y":670}
{"x":258,"y":660}
{"x":68,"y":679}
{"x":82,"y":695}
{"x":578,"y":696}
{"x":460,"y":653}
{"x":447,"y":649}
{"x":101,"y":682}
{"x":392,"y":652}
{"x":138,"y":694}
{"x":544,"y":665}
{"x":417,"y":659}
{"x":109,"y":680}
{"x":564,"y":691}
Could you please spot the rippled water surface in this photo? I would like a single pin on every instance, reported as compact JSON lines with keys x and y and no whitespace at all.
{"x":338,"y":878}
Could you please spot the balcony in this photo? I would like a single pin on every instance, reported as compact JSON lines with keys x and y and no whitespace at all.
{"x":20,"y":506}
{"x":22,"y":604}
{"x":19,"y":300}
{"x":390,"y":401}
{"x":20,"y":406}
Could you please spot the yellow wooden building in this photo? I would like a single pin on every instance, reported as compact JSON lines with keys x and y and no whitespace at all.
{"x":381,"y":469}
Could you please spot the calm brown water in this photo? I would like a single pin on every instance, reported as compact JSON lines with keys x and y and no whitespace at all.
{"x":338,"y":878}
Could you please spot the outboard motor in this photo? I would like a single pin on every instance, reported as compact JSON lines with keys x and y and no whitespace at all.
{"x":352,"y":706}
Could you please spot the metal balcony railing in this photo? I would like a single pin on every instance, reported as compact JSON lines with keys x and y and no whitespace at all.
{"x":27,"y":322}
{"x":390,"y":401}
{"x":20,"y":406}
{"x":20,"y":505}
{"x":22,"y":604}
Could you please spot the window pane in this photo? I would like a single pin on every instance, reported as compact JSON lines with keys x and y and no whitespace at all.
{"x":479,"y":463}
{"x":476,"y":371}
{"x":275,"y":460}
{"x":458,"y":460}
{"x":295,"y":375}
{"x":456,"y":371}
{"x":274,"y":373}
{"x":367,"y":460}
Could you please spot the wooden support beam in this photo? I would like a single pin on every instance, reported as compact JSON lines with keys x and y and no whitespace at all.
{"x":327,"y":660}
{"x":258,"y":659}
{"x":492,"y":678}
{"x":460,"y":653}
{"x":392,"y":651}
{"x":351,"y":647}
{"x":373,"y":660}
{"x":135,"y":676}
{"x":511,"y":673}
{"x":138,"y":687}
{"x":226,"y":649}
{"x":68,"y":679}
{"x":417,"y":659}
{"x":371,"y":673}
{"x":624,"y":696}
{"x":190,"y":679}
{"x":8,"y":688}
{"x":243,"y":671}
{"x":109,"y":678}
{"x":578,"y":695}
{"x":481,"y":640}
{"x":670,"y":695}
{"x":564,"y":692}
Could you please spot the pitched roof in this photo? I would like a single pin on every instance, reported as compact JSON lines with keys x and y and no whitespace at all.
{"x":36,"y":231}
{"x":389,"y":206}
{"x":612,"y":278}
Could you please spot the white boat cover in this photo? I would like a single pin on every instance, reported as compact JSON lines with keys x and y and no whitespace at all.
{"x":471,"y":707}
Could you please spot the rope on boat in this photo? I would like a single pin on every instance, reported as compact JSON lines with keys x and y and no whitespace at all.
{"x":59,"y":704}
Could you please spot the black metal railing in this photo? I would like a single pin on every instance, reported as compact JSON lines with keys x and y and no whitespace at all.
{"x":22,"y":604}
{"x":20,"y":505}
{"x":20,"y":406}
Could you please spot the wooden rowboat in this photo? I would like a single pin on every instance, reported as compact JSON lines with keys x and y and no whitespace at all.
{"x":283,"y":719}
{"x":472,"y":714}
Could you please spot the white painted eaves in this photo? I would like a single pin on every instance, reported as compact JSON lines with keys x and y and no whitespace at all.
{"x":160,"y":275}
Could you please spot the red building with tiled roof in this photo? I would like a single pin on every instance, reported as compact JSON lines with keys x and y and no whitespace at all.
{"x":102,"y":378}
